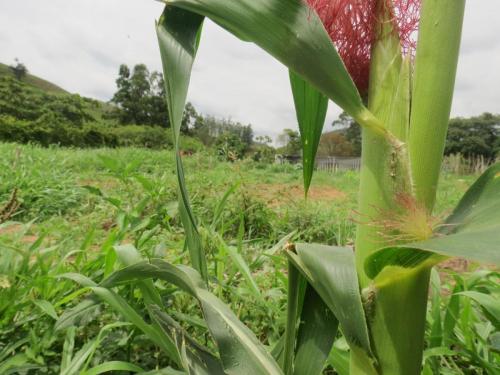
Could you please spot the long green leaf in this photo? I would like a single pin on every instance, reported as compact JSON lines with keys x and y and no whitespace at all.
{"x":242,"y":267}
{"x":292,"y":33}
{"x":339,"y":359}
{"x":489,"y":303}
{"x":129,"y":255}
{"x":47,"y":308}
{"x":70,"y":316}
{"x":296,"y":291}
{"x":332,"y":273}
{"x":112,"y":366}
{"x":164,"y":371}
{"x":470,"y":232}
{"x":240,"y":351}
{"x":178,"y":37}
{"x":197,"y":360}
{"x":317,"y":331}
{"x":433,"y":85}
{"x":311,"y":327}
{"x":121,"y":306}
{"x":310,"y":107}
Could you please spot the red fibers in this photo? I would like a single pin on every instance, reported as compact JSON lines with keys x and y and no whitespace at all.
{"x":351,"y":26}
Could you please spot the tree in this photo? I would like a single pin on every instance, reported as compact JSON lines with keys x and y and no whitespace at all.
{"x":290,"y":142}
{"x":475,"y":136}
{"x":263,"y":151}
{"x":230,"y":147}
{"x":19,"y":70}
{"x":208,"y":129}
{"x":189,"y":119}
{"x":351,"y":130}
{"x":335,"y":143}
{"x":141,"y":99}
{"x":133,"y":95}
{"x":156,"y":102}
{"x":264,"y":139}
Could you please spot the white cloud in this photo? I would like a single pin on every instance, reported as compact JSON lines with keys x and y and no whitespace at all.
{"x":79,"y":45}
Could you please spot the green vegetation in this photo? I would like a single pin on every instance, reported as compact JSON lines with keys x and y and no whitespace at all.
{"x":475,"y":136}
{"x":76,"y":206}
{"x":377,"y":295}
{"x":470,"y":137}
{"x":33,"y":81}
{"x":122,"y":259}
{"x":33,"y":111}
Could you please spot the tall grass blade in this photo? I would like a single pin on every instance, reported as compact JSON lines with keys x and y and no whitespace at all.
{"x":310,"y":107}
{"x":311,"y":327}
{"x":128,"y":312}
{"x":331,"y":272}
{"x":339,"y":359}
{"x":196,"y":359}
{"x":47,"y":308}
{"x":317,"y":331}
{"x":242,"y":267}
{"x":70,"y":316}
{"x":113,"y":366}
{"x":489,"y":303}
{"x":178,"y":36}
{"x":239,"y":349}
{"x":296,"y":289}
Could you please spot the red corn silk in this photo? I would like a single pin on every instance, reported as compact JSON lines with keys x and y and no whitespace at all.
{"x":351,"y":25}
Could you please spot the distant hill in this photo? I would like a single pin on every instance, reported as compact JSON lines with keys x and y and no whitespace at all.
{"x":98,"y":109}
{"x":33,"y":110}
{"x":34,"y":81}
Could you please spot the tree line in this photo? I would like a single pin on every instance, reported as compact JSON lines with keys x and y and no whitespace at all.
{"x":470,"y":137}
{"x":137,"y":115}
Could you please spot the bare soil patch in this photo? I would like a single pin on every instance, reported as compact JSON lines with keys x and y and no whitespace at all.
{"x":15,"y":229}
{"x":279,"y":194}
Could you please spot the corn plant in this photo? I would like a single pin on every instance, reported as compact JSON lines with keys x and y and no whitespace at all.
{"x":360,"y":55}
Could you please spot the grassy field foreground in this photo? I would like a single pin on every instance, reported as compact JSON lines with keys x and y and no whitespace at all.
{"x":75,"y":206}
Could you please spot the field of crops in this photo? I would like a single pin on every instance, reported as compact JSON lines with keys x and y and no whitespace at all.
{"x":79,"y":211}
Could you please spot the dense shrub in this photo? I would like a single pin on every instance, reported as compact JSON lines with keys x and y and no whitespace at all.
{"x":142,"y":136}
{"x":30,"y":115}
{"x":52,"y":130}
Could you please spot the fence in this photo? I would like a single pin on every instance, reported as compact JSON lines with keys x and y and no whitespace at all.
{"x":329,"y":164}
{"x":461,"y":165}
{"x":335,"y":163}
{"x":457,"y":164}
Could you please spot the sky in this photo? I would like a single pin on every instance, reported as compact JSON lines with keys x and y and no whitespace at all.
{"x":79,"y":45}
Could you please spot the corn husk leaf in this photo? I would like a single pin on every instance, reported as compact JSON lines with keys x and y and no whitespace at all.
{"x":471,"y":232}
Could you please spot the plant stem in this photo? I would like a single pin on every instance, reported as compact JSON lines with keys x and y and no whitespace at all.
{"x":396,"y":310}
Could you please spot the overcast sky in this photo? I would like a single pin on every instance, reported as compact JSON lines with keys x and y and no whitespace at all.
{"x":79,"y":45}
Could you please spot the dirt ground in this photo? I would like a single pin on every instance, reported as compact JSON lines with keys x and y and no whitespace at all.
{"x":278,"y":194}
{"x":12,"y":230}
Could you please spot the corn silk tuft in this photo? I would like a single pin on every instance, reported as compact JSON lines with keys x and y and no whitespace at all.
{"x":352,"y":26}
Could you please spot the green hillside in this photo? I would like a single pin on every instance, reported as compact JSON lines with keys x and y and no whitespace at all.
{"x":33,"y":110}
{"x":34,"y":81}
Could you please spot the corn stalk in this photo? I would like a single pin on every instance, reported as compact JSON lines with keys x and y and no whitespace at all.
{"x":377,"y":295}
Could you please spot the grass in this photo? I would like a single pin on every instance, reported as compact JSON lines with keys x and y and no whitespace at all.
{"x":75,"y":205}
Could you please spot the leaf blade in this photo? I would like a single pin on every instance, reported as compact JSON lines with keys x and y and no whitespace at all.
{"x":470,"y":232}
{"x":240,"y":350}
{"x":291,"y":32}
{"x":178,"y":34}
{"x":332,"y":273}
{"x":310,"y":107}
